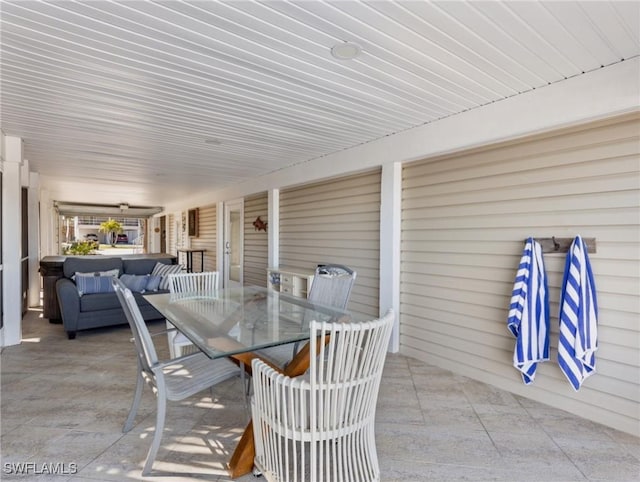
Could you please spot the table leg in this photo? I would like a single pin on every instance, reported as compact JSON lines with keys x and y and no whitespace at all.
{"x":241,"y":462}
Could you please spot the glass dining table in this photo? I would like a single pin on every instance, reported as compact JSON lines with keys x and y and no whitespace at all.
{"x":238,"y":322}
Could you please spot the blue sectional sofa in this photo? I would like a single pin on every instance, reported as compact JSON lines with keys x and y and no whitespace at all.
{"x":100,"y":307}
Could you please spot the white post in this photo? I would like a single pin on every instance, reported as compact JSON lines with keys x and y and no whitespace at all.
{"x":273,"y":228}
{"x":220,"y":240}
{"x":34,"y":240}
{"x":390,"y":223}
{"x":76,"y":230}
{"x":11,"y":237}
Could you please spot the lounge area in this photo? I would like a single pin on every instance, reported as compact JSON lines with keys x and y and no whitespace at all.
{"x":430,"y":425}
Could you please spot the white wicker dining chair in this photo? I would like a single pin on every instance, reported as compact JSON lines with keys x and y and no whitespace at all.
{"x":331,"y":286}
{"x":174,"y":380}
{"x":185,"y":286}
{"x":320,"y":426}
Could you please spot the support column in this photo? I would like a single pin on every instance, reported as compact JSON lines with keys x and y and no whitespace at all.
{"x":273,"y":228}
{"x":34,"y":240}
{"x":220,"y":240}
{"x":390,"y":224}
{"x":11,"y":234}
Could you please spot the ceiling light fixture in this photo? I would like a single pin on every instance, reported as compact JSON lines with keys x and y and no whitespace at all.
{"x":346,"y":50}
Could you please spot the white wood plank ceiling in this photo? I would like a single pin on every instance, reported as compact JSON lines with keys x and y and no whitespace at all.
{"x":163,"y":99}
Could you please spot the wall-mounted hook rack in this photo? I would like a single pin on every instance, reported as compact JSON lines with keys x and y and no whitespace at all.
{"x":562,"y":245}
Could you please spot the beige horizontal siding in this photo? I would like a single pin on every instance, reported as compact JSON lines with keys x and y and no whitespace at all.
{"x":464,"y":220}
{"x":336,"y":221}
{"x":207,"y":232}
{"x":171,"y":234}
{"x":255,"y":242}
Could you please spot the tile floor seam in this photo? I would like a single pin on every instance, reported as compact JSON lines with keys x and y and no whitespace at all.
{"x":555,"y":442}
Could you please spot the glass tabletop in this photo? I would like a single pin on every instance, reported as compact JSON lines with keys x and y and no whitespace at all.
{"x":249,"y":318}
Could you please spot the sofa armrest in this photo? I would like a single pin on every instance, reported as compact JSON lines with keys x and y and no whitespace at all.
{"x":69,"y":301}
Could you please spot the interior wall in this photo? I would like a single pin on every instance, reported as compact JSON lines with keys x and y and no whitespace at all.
{"x":255,"y":241}
{"x":464,"y":220}
{"x":336,"y":221}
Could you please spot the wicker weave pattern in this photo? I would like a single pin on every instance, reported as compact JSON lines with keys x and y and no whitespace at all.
{"x":321,"y":427}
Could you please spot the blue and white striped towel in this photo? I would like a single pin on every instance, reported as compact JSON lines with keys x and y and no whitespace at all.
{"x":578,"y":339}
{"x":529,"y":312}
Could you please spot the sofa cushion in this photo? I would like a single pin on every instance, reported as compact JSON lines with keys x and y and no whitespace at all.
{"x":141,"y":266}
{"x":93,"y":283}
{"x":135,"y":282}
{"x":90,"y":264}
{"x":99,"y":302}
{"x":109,"y":301}
{"x":164,"y":270}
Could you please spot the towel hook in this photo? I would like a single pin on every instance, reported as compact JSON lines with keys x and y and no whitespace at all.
{"x":561,"y":245}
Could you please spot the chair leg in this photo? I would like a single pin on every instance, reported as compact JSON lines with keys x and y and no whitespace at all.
{"x":136,"y":402}
{"x":172,"y":349}
{"x":170,"y":337}
{"x":157,"y":436}
{"x":245,"y":382}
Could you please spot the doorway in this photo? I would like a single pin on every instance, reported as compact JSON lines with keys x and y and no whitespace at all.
{"x":163,"y":234}
{"x":233,"y":242}
{"x":24,"y":262}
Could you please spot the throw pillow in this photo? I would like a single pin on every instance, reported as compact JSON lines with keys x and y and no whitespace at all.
{"x":164,"y":270}
{"x":111,"y":272}
{"x":136,"y":283}
{"x":153,"y":283}
{"x":88,"y":284}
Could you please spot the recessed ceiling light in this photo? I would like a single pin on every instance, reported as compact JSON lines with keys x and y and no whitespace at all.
{"x":346,"y":50}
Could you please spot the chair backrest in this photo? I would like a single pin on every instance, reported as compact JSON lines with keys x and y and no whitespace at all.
{"x":332,"y":285}
{"x":193,"y":285}
{"x":345,"y":376}
{"x":147,"y":356}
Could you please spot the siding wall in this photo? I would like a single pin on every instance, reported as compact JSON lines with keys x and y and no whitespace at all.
{"x":172,"y":234}
{"x":336,"y":221}
{"x":206,"y":239}
{"x":464,"y":221}
{"x":255,"y":242}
